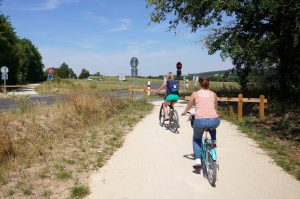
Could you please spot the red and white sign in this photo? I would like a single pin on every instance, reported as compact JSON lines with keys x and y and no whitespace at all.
{"x":179,"y":65}
{"x":50,"y":71}
{"x":149,"y":89}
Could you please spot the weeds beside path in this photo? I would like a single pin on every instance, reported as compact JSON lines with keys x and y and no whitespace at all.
{"x":49,"y":151}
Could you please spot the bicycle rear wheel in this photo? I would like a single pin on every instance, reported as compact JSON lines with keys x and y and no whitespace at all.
{"x":211,"y":168}
{"x":162,"y":116}
{"x":173,"y":121}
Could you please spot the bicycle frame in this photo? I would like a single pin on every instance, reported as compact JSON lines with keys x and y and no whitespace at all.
{"x":205,"y":143}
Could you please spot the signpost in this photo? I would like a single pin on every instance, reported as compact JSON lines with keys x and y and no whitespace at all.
{"x":122,"y":77}
{"x":50,"y":73}
{"x":4,"y":76}
{"x":179,"y":67}
{"x":134,"y":62}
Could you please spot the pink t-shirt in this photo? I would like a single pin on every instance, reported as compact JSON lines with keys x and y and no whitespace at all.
{"x":205,"y":104}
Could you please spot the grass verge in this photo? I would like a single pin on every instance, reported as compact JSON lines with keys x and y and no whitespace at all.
{"x":284,"y":152}
{"x":45,"y":150}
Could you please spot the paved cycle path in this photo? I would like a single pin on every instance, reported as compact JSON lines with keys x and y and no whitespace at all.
{"x":151,"y":165}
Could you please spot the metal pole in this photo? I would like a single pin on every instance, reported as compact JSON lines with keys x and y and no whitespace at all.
{"x":5,"y":83}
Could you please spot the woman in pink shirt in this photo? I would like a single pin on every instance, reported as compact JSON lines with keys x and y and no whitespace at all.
{"x":206,"y":115}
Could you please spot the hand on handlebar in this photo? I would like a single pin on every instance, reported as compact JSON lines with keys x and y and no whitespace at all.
{"x":184,"y":113}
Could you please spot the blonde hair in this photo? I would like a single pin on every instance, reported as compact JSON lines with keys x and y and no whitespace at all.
{"x":170,"y":76}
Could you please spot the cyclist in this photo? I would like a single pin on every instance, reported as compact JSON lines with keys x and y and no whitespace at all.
{"x":206,"y":116}
{"x":172,"y":92}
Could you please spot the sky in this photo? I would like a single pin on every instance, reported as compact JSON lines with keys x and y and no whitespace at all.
{"x":103,"y":35}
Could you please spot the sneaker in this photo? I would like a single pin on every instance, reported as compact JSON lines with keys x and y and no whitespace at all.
{"x":197,"y":163}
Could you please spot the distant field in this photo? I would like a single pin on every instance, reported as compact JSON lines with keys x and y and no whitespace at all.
{"x":112,"y":83}
{"x":105,"y":84}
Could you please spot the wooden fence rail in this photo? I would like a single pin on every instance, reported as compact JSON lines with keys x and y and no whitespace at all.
{"x":240,"y":100}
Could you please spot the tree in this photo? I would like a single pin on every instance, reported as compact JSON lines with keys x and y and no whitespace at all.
{"x":258,"y":35}
{"x":84,"y":74}
{"x":8,"y":50}
{"x":30,"y":62}
{"x":97,"y":74}
{"x":64,"y":71}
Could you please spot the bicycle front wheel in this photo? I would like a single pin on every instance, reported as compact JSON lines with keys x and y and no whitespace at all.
{"x":211,"y":168}
{"x":174,"y":121}
{"x":162,"y":115}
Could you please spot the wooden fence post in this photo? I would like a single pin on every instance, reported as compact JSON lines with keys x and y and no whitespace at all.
{"x":240,"y":107}
{"x":130,"y":93}
{"x":145,"y":94}
{"x":262,"y":107}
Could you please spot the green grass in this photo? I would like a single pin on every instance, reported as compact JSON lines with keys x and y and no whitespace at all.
{"x":298,"y":175}
{"x":28,"y":191}
{"x":58,"y":86}
{"x":63,"y":175}
{"x":2,"y":176}
{"x":79,"y":191}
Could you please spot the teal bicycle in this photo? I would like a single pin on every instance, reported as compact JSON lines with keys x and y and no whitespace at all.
{"x":209,"y":163}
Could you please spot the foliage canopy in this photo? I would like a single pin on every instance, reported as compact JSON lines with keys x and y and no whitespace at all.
{"x":259,"y":36}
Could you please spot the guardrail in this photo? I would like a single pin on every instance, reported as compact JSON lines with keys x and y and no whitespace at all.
{"x":240,"y":100}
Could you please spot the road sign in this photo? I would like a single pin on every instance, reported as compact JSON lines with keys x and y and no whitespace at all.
{"x":4,"y":76}
{"x":50,"y":76}
{"x":4,"y":69}
{"x":50,"y":71}
{"x":122,"y":77}
{"x":179,"y":65}
{"x":134,"y":62}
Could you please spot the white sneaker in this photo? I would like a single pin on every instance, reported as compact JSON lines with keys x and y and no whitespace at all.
{"x":197,"y":163}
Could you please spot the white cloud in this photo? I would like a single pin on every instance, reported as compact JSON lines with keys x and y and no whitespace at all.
{"x":91,"y":42}
{"x":124,"y":24}
{"x":93,"y":17}
{"x":49,"y":5}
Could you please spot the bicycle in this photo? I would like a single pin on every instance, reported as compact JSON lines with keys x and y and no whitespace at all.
{"x":173,"y":117}
{"x":209,"y":163}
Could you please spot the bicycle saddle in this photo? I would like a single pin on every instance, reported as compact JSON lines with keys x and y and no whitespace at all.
{"x":209,"y":129}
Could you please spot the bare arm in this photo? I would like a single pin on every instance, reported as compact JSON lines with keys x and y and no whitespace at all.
{"x":216,"y":103}
{"x":161,"y":87}
{"x":190,"y":104}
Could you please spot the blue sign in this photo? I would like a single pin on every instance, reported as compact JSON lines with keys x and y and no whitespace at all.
{"x":50,"y":76}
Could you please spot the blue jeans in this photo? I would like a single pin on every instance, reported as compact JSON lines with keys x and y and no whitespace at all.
{"x":199,"y":126}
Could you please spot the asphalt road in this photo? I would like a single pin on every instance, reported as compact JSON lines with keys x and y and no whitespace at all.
{"x":9,"y":103}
